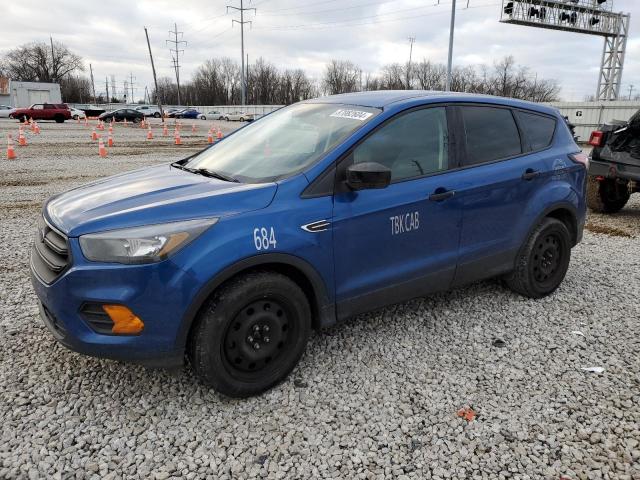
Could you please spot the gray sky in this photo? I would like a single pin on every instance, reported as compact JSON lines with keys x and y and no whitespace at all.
{"x":295,"y":33}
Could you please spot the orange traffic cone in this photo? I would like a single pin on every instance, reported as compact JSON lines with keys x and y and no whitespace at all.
{"x":110,"y":140}
{"x":210,"y":136}
{"x":178,"y":141}
{"x":193,"y":128}
{"x":165,"y":130}
{"x":36,"y":129}
{"x":22,"y":140}
{"x":86,"y":122}
{"x":219,"y":136}
{"x":94,"y":135}
{"x":101,"y":150}
{"x":149,"y":133}
{"x":31,"y":125}
{"x":143,"y":123}
{"x":111,"y":127}
{"x":11,"y":154}
{"x":125,"y":122}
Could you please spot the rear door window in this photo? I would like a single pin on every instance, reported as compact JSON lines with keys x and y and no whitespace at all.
{"x":537,"y":129}
{"x":491,"y":134}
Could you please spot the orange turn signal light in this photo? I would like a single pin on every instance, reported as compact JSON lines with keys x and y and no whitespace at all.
{"x":125,"y":322}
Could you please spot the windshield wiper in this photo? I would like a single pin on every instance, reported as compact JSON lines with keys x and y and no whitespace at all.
{"x":210,"y":173}
{"x":206,"y":172}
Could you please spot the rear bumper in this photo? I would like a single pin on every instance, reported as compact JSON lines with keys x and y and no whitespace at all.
{"x":606,"y":169}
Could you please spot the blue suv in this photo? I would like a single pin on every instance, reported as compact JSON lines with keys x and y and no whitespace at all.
{"x":313,"y":214}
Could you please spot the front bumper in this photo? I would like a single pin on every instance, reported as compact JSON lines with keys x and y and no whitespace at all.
{"x":157,"y":293}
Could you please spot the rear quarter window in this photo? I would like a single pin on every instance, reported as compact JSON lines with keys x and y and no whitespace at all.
{"x":491,"y":133}
{"x":538,"y":130}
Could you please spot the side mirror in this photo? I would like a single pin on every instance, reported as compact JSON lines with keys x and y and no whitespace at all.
{"x":361,"y":176}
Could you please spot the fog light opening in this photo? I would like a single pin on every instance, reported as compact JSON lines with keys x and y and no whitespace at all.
{"x":125,"y":322}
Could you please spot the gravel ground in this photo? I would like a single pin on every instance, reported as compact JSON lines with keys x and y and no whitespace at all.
{"x":375,"y":397}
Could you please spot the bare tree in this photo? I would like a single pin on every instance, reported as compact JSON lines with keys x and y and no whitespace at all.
{"x":341,"y":77}
{"x":36,"y":62}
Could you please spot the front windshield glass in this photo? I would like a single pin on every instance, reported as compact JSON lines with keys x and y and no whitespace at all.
{"x":284,"y":142}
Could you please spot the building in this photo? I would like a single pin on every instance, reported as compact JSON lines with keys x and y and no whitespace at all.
{"x":23,"y":94}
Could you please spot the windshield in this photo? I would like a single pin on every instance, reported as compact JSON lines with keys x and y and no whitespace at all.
{"x":283,"y":142}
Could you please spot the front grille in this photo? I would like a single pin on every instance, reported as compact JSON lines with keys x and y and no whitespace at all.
{"x":97,"y":318}
{"x":50,"y":253}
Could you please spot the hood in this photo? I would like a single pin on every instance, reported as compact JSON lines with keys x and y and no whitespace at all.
{"x":152,"y":195}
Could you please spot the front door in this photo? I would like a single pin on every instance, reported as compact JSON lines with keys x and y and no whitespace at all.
{"x":399,"y":242}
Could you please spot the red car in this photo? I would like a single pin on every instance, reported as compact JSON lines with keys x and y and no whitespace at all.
{"x":43,"y":111}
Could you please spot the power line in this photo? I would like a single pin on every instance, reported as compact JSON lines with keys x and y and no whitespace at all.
{"x":242,"y":21}
{"x":176,"y":54}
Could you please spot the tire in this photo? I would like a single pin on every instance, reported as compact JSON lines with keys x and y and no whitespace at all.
{"x":24,"y":119}
{"x":137,"y":120}
{"x":543,"y":261}
{"x":221,"y":351}
{"x":226,"y":119}
{"x":59,"y":119}
{"x":156,"y":115}
{"x":203,"y":117}
{"x":242,"y":119}
{"x":606,"y":196}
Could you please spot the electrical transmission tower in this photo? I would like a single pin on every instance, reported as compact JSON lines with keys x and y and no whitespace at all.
{"x":131,"y":79}
{"x":175,"y":54}
{"x":242,"y":21}
{"x":591,"y":17}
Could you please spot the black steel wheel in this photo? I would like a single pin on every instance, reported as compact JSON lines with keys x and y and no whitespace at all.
{"x":543,"y":260}
{"x":250,"y":334}
{"x":258,"y":335}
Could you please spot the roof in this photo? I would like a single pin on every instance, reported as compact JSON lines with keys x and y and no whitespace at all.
{"x":384,"y":98}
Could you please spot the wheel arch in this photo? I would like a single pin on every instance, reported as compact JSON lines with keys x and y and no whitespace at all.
{"x":567,"y":213}
{"x":297,"y":269}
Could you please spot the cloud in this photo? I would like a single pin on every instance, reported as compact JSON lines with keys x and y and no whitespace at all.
{"x":294,"y":34}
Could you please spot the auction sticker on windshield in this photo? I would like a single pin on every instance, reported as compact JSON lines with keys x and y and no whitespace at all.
{"x":352,"y":114}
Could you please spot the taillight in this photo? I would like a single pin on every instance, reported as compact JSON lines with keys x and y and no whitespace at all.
{"x":580,"y":157}
{"x":595,"y":140}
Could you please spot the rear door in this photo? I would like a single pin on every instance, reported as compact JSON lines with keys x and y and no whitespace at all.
{"x":49,"y":111}
{"x":503,"y":173}
{"x":399,"y":242}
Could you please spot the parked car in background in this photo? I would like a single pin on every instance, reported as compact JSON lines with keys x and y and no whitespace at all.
{"x":212,"y":115}
{"x":172,"y":112}
{"x":5,"y":111}
{"x":149,"y":111}
{"x":239,"y":116}
{"x":90,"y":110}
{"x":188,"y":113}
{"x":614,"y":171}
{"x":59,"y":112}
{"x":76,"y":114}
{"x":121,"y":114}
{"x":388,"y":196}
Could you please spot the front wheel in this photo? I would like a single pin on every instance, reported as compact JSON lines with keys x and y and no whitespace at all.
{"x":242,"y":119}
{"x":202,"y":117}
{"x":250,"y":334}
{"x":137,"y":120}
{"x":607,"y":195}
{"x":156,"y":115}
{"x":543,"y":261}
{"x":226,"y":119}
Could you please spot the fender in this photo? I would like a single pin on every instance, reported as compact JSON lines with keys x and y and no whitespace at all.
{"x":324,"y":307}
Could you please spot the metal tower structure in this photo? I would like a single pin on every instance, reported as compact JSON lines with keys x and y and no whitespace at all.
{"x":591,"y":17}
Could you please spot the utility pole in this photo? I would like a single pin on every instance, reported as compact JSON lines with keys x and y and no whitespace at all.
{"x":155,"y":80}
{"x":131,"y":78}
{"x":631,"y":87}
{"x":106,"y":84}
{"x":176,"y":50}
{"x":451,"y":31}
{"x":93,"y":85}
{"x":125,"y":86}
{"x":411,"y":41}
{"x":242,"y":21}
{"x":53,"y":60}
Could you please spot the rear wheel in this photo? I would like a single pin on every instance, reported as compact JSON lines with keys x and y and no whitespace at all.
{"x":24,"y":119}
{"x":226,"y":118}
{"x":250,"y":334}
{"x":203,"y":117}
{"x":607,"y":195}
{"x":242,"y":119}
{"x":59,"y":119}
{"x":156,"y":115}
{"x":543,"y":261}
{"x":137,"y":119}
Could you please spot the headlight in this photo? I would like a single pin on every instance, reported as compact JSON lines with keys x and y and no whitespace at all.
{"x":148,"y":244}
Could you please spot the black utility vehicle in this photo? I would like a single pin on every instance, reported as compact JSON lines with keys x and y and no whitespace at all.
{"x":614,"y":171}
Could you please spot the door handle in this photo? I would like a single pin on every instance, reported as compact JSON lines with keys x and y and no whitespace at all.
{"x":441,"y":194}
{"x":530,"y":174}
